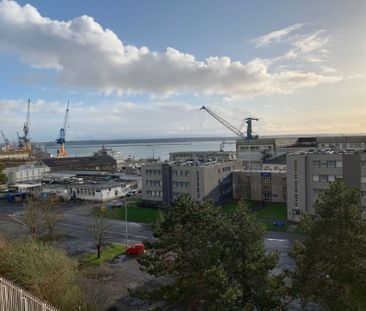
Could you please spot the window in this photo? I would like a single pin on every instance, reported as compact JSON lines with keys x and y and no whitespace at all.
{"x":115,"y":192}
{"x":339,"y":164}
{"x":331,"y":178}
{"x":315,"y":177}
{"x":323,"y":163}
{"x":331,"y":164}
{"x":363,"y":164}
{"x":363,"y":180}
{"x":363,"y":194}
{"x":323,"y":178}
{"x":316,"y":163}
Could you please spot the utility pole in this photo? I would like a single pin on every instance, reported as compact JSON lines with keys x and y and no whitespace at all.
{"x":126,"y":224}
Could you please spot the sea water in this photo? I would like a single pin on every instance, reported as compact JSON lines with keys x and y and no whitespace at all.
{"x":141,"y":150}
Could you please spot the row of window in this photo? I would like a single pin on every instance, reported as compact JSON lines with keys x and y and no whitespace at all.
{"x":154,"y":193}
{"x":254,"y":148}
{"x":325,"y":178}
{"x":153,"y":182}
{"x":180,"y":184}
{"x":226,"y":169}
{"x":328,"y":164}
{"x":181,"y":173}
{"x":152,"y":172}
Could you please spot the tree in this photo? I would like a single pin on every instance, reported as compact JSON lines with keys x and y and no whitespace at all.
{"x":213,"y":261}
{"x":3,"y":177}
{"x":40,"y":217}
{"x":98,"y":226}
{"x":44,"y":270}
{"x":331,"y":262}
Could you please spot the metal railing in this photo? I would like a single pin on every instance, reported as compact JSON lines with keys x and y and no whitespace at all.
{"x":14,"y":298}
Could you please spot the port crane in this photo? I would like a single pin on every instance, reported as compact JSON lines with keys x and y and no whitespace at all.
{"x":61,"y":139}
{"x":7,"y":142}
{"x":237,"y":131}
{"x":25,"y":141}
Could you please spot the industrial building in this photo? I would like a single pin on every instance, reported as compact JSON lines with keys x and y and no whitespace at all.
{"x":97,"y":163}
{"x":202,"y":156}
{"x":26,"y":173}
{"x":309,"y":173}
{"x":256,"y":151}
{"x":260,"y":185}
{"x":162,"y":183}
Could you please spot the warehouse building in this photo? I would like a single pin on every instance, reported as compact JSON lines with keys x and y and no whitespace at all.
{"x":97,"y":163}
{"x":309,"y":173}
{"x":26,"y":173}
{"x":162,"y":183}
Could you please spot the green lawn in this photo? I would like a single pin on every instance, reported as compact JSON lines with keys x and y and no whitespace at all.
{"x":266,"y":214}
{"x":136,"y":214}
{"x":108,"y":253}
{"x":274,"y":211}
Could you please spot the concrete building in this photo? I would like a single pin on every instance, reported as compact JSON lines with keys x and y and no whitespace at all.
{"x":309,"y":173}
{"x":26,"y":173}
{"x":203,"y":156}
{"x":162,"y":183}
{"x":260,"y":185}
{"x":253,"y":152}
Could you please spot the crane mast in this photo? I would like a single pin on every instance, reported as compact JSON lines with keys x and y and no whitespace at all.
{"x":61,"y":139}
{"x":25,"y":141}
{"x":7,"y":143}
{"x":237,"y":131}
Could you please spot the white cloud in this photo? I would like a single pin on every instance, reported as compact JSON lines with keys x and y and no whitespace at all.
{"x":275,"y":36}
{"x":85,"y":55}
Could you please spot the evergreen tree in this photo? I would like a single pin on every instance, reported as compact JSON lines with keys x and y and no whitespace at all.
{"x":213,"y":261}
{"x":2,"y":175}
{"x":331,"y":263}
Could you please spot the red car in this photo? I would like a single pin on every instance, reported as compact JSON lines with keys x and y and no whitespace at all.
{"x":136,"y":249}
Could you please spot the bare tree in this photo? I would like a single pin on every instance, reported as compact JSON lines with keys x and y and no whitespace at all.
{"x":40,"y":217}
{"x":98,"y":226}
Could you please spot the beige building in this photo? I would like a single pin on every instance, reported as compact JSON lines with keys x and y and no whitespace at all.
{"x":260,"y":185}
{"x":309,"y":173}
{"x":162,"y":183}
{"x":25,"y":173}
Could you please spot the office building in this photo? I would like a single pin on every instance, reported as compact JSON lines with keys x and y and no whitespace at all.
{"x":162,"y":183}
{"x":309,"y":173}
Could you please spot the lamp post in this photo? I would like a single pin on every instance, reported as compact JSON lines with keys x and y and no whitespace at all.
{"x":126,"y":223}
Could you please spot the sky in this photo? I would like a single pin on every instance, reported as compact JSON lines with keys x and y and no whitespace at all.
{"x":142,"y":69}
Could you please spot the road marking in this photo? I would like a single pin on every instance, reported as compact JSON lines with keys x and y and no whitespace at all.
{"x":107,"y":231}
{"x":278,"y":240}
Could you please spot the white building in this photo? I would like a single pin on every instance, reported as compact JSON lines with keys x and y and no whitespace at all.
{"x":25,"y":173}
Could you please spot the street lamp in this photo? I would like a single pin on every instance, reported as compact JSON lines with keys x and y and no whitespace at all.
{"x":126,"y":223}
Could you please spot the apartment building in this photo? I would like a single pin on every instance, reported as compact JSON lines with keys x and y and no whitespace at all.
{"x":309,"y":173}
{"x":260,"y":185}
{"x":162,"y":183}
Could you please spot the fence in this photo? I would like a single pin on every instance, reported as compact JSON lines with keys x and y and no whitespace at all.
{"x":15,"y":299}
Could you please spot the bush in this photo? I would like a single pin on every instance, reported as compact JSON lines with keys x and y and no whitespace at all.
{"x":45,"y":271}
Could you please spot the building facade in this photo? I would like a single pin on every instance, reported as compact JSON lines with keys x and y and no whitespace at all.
{"x":163,"y":183}
{"x":260,"y":185}
{"x":309,"y":173}
{"x":25,"y":173}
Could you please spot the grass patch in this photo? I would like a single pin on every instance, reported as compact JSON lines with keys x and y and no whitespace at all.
{"x":273,"y":211}
{"x":265,"y":214}
{"x":136,"y":214}
{"x":108,"y":253}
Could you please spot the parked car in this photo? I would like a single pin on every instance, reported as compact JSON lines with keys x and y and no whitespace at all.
{"x":279,"y":223}
{"x":136,"y":249}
